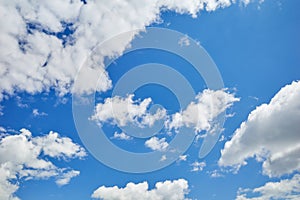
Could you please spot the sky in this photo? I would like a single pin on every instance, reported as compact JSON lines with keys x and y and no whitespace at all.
{"x":155,"y":100}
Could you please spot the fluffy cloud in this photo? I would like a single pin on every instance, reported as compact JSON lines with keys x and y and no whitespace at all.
{"x":21,"y":158}
{"x":201,"y":113}
{"x":198,"y":166}
{"x":66,"y":177}
{"x":50,"y":40}
{"x":288,"y":189}
{"x":121,"y":136}
{"x":270,"y":134}
{"x":168,"y":190}
{"x":125,"y":111}
{"x":157,"y":144}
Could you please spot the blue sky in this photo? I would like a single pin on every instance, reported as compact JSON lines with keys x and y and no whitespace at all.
{"x":255,"y":47}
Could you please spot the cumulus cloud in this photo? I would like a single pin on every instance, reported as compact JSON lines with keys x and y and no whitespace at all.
{"x":121,"y":136}
{"x":37,"y":113}
{"x":61,"y":147}
{"x":182,"y":158}
{"x":215,"y":174}
{"x":125,"y":111}
{"x":50,"y":40}
{"x":167,"y":190}
{"x":157,"y":144}
{"x":201,"y":113}
{"x":163,"y":158}
{"x":184,"y":41}
{"x":270,"y":134}
{"x":288,"y":189}
{"x":23,"y":156}
{"x":66,"y":177}
{"x":198,"y":166}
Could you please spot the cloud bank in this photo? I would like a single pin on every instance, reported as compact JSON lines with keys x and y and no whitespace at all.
{"x":50,"y":40}
{"x":270,"y":134}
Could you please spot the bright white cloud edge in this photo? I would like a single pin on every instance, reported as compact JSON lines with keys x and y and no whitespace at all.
{"x":167,"y":190}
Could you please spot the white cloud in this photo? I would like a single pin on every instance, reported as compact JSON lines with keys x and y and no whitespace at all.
{"x":200,"y":114}
{"x":121,"y":136}
{"x":157,"y":144}
{"x":1,"y":108}
{"x":34,"y":58}
{"x":198,"y":166}
{"x":182,"y":157}
{"x":62,"y":147}
{"x":163,"y":158}
{"x":184,"y":41}
{"x":288,"y":189}
{"x":66,"y":177}
{"x":23,"y":156}
{"x":2,"y":130}
{"x":222,"y":138}
{"x":126,"y":111}
{"x":215,"y":174}
{"x":167,"y":190}
{"x":36,"y":113}
{"x":20,"y":102}
{"x":270,"y":134}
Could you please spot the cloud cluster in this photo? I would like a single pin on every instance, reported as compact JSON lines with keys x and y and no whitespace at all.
{"x":199,"y":114}
{"x":24,"y":157}
{"x":124,"y":111}
{"x":288,"y":189}
{"x":270,"y":134}
{"x":167,"y":190}
{"x":49,"y":41}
